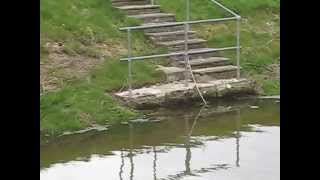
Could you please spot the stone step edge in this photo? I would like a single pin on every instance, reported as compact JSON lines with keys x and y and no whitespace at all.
{"x":125,"y":0}
{"x":155,"y":15}
{"x":169,"y":33}
{"x":137,"y":7}
{"x":195,"y":62}
{"x":181,"y":42}
{"x":217,"y":69}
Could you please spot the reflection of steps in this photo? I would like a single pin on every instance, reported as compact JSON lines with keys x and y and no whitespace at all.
{"x":206,"y":63}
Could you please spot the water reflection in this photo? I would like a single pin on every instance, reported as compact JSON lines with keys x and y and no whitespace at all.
{"x":198,"y":143}
{"x":238,"y":121}
{"x":122,"y":164}
{"x":131,"y":154}
{"x":154,"y":163}
{"x":188,"y":145}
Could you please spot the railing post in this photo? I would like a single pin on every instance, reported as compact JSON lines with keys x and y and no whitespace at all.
{"x":238,"y":47}
{"x":186,"y":55}
{"x":152,"y":2}
{"x":186,"y":39}
{"x":129,"y":63}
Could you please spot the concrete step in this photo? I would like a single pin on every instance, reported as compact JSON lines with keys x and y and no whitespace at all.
{"x":155,"y":17}
{"x":163,"y":29}
{"x":206,"y":62}
{"x":179,"y":45}
{"x":119,"y":3}
{"x":201,"y":53}
{"x":173,"y":73}
{"x":140,"y":9}
{"x":170,"y":36}
{"x":201,"y":75}
{"x":214,"y":73}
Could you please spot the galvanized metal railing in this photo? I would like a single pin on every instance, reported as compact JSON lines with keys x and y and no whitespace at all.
{"x":186,"y":52}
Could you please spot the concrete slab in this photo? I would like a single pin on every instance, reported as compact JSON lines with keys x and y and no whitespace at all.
{"x":176,"y":92}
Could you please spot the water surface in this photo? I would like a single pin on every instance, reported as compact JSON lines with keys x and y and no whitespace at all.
{"x":227,"y":141}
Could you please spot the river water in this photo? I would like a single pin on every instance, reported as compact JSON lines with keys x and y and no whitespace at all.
{"x":235,"y":140}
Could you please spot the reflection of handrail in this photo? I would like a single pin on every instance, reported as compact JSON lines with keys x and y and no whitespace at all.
{"x":154,"y":163}
{"x":121,"y":166}
{"x":238,"y":121}
{"x":131,"y":154}
{"x":187,"y":145}
{"x":188,"y":150}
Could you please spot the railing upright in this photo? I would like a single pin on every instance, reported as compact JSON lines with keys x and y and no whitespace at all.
{"x":238,"y":46}
{"x":129,"y":63}
{"x":186,"y":39}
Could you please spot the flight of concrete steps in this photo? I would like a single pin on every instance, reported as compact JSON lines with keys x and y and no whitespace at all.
{"x":206,"y":63}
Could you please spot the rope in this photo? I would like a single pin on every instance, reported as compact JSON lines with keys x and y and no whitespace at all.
{"x":195,"y":82}
{"x":195,"y":120}
{"x":123,"y":85}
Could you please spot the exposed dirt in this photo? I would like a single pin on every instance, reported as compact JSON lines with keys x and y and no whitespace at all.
{"x":59,"y":67}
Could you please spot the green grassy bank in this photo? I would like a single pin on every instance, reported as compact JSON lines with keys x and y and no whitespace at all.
{"x":83,"y":27}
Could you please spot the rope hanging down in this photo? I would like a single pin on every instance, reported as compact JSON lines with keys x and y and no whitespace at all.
{"x":195,"y":82}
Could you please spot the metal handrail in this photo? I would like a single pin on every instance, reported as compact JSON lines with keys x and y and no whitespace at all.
{"x":225,"y":8}
{"x":169,"y":24}
{"x":177,"y":54}
{"x":185,"y":52}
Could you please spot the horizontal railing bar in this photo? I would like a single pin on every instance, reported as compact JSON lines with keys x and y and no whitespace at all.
{"x":225,"y":8}
{"x":177,"y":23}
{"x":178,"y":53}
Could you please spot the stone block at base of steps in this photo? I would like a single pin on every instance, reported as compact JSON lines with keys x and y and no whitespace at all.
{"x":119,"y":3}
{"x":155,"y":17}
{"x":214,"y":73}
{"x":176,"y":92}
{"x":140,"y":9}
{"x":201,"y":75}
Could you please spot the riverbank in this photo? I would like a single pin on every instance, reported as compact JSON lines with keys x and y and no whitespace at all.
{"x":80,"y":47}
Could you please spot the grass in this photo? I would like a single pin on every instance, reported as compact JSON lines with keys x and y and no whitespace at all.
{"x":87,"y":102}
{"x":206,"y":9}
{"x":82,"y":25}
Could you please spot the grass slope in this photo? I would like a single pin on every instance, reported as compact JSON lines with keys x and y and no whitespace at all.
{"x":80,"y":26}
